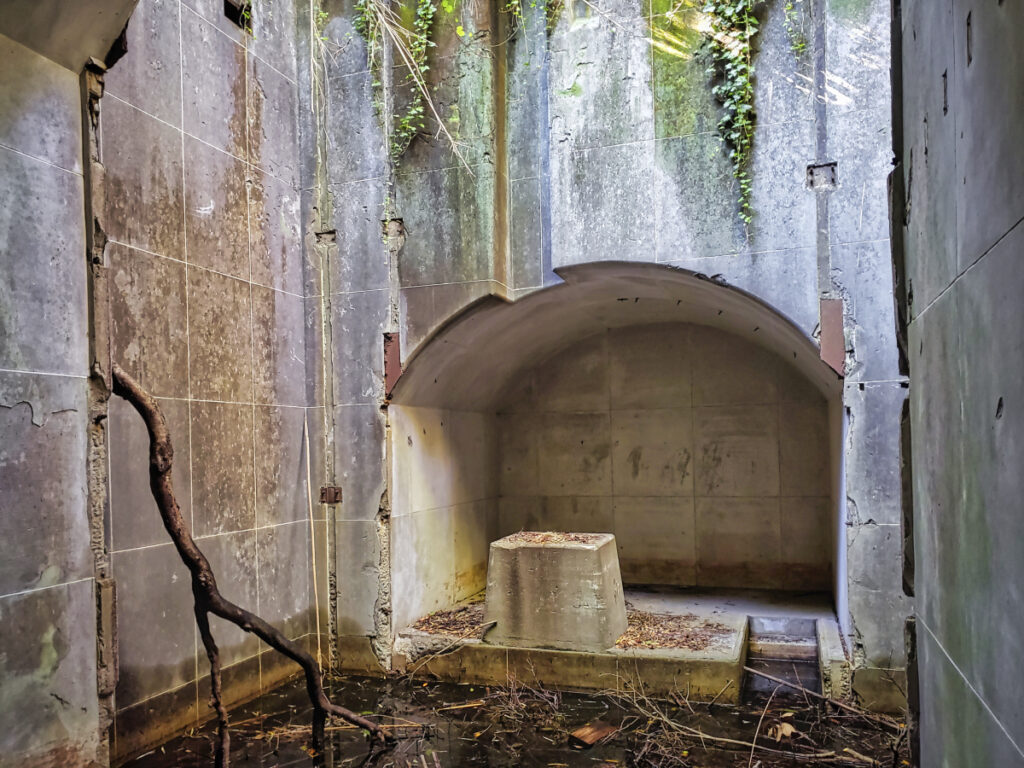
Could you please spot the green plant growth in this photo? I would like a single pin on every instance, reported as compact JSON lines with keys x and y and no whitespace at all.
{"x":413,"y":119}
{"x":733,"y":26}
{"x":320,"y":19}
{"x":552,"y":10}
{"x":448,"y":6}
{"x":794,"y":10}
{"x":410,"y":43}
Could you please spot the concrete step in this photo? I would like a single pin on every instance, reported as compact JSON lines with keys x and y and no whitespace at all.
{"x":782,"y":638}
{"x":786,"y":648}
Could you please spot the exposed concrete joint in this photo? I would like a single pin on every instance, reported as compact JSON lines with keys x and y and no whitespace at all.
{"x":907,"y":499}
{"x":394,"y":235}
{"x":99,"y":388}
{"x":381,"y":642}
{"x":823,"y":240}
{"x":324,"y":246}
{"x":326,"y":249}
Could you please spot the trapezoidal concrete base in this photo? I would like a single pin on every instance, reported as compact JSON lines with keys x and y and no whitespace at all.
{"x":555,"y":590}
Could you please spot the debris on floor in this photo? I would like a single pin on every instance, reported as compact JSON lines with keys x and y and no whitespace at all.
{"x":463,"y":620}
{"x":654,"y":630}
{"x":552,"y":537}
{"x":591,"y":733}
{"x":645,"y":630}
{"x":439,"y":725}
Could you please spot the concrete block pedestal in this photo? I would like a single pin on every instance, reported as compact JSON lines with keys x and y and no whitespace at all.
{"x":555,"y":590}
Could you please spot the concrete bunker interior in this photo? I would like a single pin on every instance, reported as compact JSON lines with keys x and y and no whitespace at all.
{"x":220,"y":199}
{"x":688,"y":419}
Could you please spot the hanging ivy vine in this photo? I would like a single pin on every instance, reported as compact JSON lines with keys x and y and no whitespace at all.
{"x":733,"y":26}
{"x":413,"y":118}
{"x":377,"y":22}
{"x":515,"y":9}
{"x":794,"y":26}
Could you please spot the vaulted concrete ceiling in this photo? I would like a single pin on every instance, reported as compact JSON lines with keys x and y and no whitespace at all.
{"x":66,"y":31}
{"x":469,"y":363}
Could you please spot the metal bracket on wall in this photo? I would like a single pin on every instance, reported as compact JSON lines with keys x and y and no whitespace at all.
{"x":330,"y":494}
{"x":822,"y":176}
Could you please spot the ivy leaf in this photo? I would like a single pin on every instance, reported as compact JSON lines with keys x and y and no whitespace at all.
{"x":460,"y":31}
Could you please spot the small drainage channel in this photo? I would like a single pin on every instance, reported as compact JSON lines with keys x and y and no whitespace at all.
{"x":785,"y":648}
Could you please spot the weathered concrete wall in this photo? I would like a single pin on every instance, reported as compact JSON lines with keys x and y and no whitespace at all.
{"x":199,"y":139}
{"x":587,"y":144}
{"x":584,"y":145}
{"x":960,"y":201}
{"x":444,"y":511}
{"x":705,"y":455}
{"x":48,"y":704}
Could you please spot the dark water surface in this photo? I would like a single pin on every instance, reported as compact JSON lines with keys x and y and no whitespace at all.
{"x":462,"y":725}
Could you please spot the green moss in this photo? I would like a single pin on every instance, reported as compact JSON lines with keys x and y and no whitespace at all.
{"x":682,"y":102}
{"x":49,"y":658}
{"x":574,"y":90}
{"x":407,"y":14}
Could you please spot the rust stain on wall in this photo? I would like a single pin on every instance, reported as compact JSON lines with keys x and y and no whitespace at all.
{"x":833,"y":343}
{"x":392,"y":362}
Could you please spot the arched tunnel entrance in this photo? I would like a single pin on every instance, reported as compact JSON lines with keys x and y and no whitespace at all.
{"x":689,"y":419}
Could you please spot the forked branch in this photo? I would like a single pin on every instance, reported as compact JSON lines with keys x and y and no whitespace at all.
{"x":208,"y":598}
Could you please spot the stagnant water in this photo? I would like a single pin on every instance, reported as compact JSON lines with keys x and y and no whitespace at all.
{"x":443,"y":726}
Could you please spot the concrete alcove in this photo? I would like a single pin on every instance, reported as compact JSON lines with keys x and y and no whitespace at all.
{"x":688,"y":418}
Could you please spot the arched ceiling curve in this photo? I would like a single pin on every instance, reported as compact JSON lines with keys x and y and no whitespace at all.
{"x":66,"y":32}
{"x":469,"y":362}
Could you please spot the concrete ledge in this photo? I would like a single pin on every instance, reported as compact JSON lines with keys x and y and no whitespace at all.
{"x":833,"y":665}
{"x":700,"y":675}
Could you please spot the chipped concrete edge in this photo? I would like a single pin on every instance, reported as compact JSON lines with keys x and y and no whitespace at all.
{"x":833,"y":664}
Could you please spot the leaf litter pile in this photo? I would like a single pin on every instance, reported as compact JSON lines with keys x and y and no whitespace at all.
{"x":465,"y":620}
{"x":552,"y":537}
{"x":655,"y":630}
{"x":441,"y":725}
{"x":645,"y":630}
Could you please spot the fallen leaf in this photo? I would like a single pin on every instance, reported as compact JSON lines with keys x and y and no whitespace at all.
{"x":782,"y":731}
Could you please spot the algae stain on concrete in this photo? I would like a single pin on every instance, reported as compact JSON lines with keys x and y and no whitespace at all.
{"x":50,"y":576}
{"x":573,"y":90}
{"x":683,"y":103}
{"x":49,"y":658}
{"x":850,"y":10}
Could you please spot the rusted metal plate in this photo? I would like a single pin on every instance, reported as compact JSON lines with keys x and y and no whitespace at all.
{"x":833,"y":343}
{"x":392,"y":362}
{"x":330,"y":494}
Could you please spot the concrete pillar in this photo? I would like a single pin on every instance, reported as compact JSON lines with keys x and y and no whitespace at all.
{"x":555,"y":590}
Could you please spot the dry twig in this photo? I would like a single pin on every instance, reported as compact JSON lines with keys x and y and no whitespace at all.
{"x":881,"y":719}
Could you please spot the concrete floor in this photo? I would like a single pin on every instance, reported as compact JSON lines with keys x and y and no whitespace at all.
{"x":713,"y":671}
{"x":726,"y":603}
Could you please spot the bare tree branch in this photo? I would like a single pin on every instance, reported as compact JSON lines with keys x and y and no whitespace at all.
{"x":208,"y":598}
